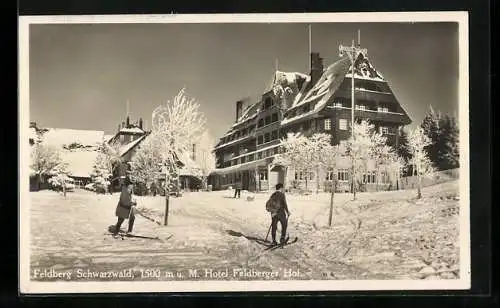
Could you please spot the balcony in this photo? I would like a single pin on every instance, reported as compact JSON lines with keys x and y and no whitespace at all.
{"x":372,"y":115}
{"x":367,"y":95}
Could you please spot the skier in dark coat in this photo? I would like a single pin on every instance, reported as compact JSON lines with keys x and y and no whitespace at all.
{"x":237,"y":190}
{"x":281,"y":214}
{"x":125,"y":209}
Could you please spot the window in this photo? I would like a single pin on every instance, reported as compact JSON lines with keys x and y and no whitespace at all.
{"x":268,"y":103}
{"x":307,"y":125}
{"x":328,"y":124}
{"x":267,"y":137}
{"x":383,"y":109}
{"x":343,"y":124}
{"x":342,"y":175}
{"x":369,"y":177}
{"x":361,"y":107}
{"x":268,"y":120}
{"x":243,"y":159}
{"x":274,"y":117}
{"x":261,"y":123}
{"x":337,"y":104}
{"x":384,"y":130}
{"x":251,"y":157}
{"x":259,"y":155}
{"x":274,"y":135}
{"x":263,"y":175}
{"x":260,"y":139}
{"x":330,"y":175}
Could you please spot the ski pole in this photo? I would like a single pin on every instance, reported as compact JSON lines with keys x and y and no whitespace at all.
{"x":268,"y":230}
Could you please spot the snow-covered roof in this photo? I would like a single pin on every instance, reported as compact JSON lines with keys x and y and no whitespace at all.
{"x":249,"y":113}
{"x":327,"y":84}
{"x":363,"y":69}
{"x":61,"y":136}
{"x":107,"y":138}
{"x":284,"y":78}
{"x":132,"y":130}
{"x":129,"y":146}
{"x":80,"y":162}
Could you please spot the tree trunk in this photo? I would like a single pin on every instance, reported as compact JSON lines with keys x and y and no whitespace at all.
{"x":331,"y":202}
{"x":317,"y":180}
{"x":419,"y":187}
{"x":64,"y":188}
{"x":376,"y":177}
{"x":353,"y":180}
{"x":167,"y":203}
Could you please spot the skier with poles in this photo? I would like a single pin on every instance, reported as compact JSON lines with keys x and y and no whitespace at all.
{"x":278,"y":208}
{"x":125,"y":209}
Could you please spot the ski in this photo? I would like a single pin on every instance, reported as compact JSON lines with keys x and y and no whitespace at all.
{"x":287,"y":242}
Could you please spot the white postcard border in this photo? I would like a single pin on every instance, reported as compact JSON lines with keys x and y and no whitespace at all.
{"x":29,"y":287}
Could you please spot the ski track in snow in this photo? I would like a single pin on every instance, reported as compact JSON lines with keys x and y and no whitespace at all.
{"x":383,"y":235}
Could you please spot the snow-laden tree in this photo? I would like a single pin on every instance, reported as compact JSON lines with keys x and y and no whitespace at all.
{"x":380,"y":152}
{"x":60,"y":177}
{"x":318,"y":146}
{"x":205,"y":158}
{"x":296,"y":154}
{"x":102,"y":169}
{"x":177,"y":125}
{"x":44,"y":160}
{"x":329,"y":156}
{"x":418,"y":141}
{"x":146,"y":162}
{"x":359,"y":150}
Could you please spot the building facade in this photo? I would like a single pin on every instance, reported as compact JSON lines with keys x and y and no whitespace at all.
{"x":306,"y":104}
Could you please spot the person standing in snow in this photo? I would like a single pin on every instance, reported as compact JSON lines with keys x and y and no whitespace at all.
{"x":237,"y":190}
{"x":125,"y":209}
{"x":278,"y":208}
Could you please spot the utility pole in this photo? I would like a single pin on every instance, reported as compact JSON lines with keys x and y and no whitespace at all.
{"x":353,"y":52}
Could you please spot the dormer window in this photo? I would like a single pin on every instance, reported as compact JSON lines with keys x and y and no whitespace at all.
{"x":361,"y":107}
{"x":382,"y":109}
{"x":384,"y":130}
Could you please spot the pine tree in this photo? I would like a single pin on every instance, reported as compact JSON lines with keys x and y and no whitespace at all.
{"x":443,"y":132}
{"x":402,"y":149}
{"x":146,"y":163}
{"x":102,"y":170}
{"x":451,"y":152}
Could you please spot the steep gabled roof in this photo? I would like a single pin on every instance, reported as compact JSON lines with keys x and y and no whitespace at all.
{"x":325,"y":87}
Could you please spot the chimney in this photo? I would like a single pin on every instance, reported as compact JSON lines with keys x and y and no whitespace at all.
{"x":123,"y":124}
{"x":316,"y":68}
{"x":239,"y":109}
{"x":128,"y":121}
{"x":140,"y":123}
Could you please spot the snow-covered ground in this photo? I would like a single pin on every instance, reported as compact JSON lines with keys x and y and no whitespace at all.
{"x":384,"y":235}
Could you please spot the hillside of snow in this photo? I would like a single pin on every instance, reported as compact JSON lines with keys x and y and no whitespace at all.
{"x":384,"y":235}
